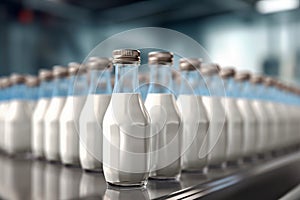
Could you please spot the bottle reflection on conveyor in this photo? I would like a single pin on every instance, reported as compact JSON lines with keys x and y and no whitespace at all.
{"x":51,"y":190}
{"x":159,"y":188}
{"x":69,"y":183}
{"x":38,"y":180}
{"x":15,"y":178}
{"x":91,"y":184}
{"x":118,"y":193}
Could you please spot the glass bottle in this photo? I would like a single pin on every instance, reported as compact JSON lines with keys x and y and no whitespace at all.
{"x":37,"y":123}
{"x":126,"y":126}
{"x":69,"y":118}
{"x":166,"y":130}
{"x":217,"y":119}
{"x":234,"y":118}
{"x":51,"y":120}
{"x":92,"y":114}
{"x":194,"y":116}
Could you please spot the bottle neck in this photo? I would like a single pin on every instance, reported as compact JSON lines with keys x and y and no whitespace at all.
{"x":190,"y":83}
{"x":61,"y":86}
{"x":231,"y":88}
{"x":215,"y":85}
{"x":126,"y":78}
{"x":18,"y":92}
{"x":45,"y":89}
{"x":100,"y":82}
{"x":160,"y":79}
{"x":32,"y":93}
{"x":78,"y":85}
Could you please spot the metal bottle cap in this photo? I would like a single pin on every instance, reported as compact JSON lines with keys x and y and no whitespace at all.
{"x":126,"y":56}
{"x":256,"y":79}
{"x":17,"y":79}
{"x":45,"y":75}
{"x":32,"y":81}
{"x":209,"y":69}
{"x":160,"y":58}
{"x":242,"y":76}
{"x":227,"y":72}
{"x":268,"y":81}
{"x":75,"y":68}
{"x":99,"y":63}
{"x":60,"y":71}
{"x":189,"y":64}
{"x":5,"y":82}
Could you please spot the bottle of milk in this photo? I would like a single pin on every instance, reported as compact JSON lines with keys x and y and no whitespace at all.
{"x":37,"y":121}
{"x":216,"y":114}
{"x":263,"y":118}
{"x":275,"y":115}
{"x":51,"y":120}
{"x":126,"y":126}
{"x":69,"y":118}
{"x":194,"y":117}
{"x":234,"y":118}
{"x":17,"y":122}
{"x":32,"y":85}
{"x":166,"y":130}
{"x":284,"y":122}
{"x":5,"y":93}
{"x":91,"y":117}
{"x":250,"y":123}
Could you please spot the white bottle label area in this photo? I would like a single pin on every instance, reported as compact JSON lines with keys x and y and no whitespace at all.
{"x":216,"y":131}
{"x":126,"y":130}
{"x":166,"y":135}
{"x":91,"y":131}
{"x":194,"y":134}
{"x":250,"y":127}
{"x":37,"y":124}
{"x":234,"y":141}
{"x":17,"y":128}
{"x":69,"y":129}
{"x":51,"y":140}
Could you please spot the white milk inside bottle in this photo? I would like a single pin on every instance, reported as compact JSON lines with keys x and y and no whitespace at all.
{"x":216,"y":115}
{"x":17,"y":122}
{"x":126,"y":126}
{"x":92,"y":114}
{"x":51,"y":120}
{"x":194,"y":117}
{"x":234,"y":145}
{"x":5,"y":97}
{"x":166,"y":130}
{"x":32,"y":85}
{"x":250,"y":123}
{"x":37,"y":121}
{"x":69,"y":118}
{"x":263,"y":118}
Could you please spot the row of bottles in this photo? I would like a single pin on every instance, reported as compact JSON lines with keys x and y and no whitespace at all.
{"x":78,"y":116}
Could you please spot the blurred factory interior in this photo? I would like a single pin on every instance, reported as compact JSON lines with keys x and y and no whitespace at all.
{"x":239,"y":33}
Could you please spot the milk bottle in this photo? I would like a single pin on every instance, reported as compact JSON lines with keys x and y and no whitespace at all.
{"x":250,"y":123}
{"x":5,"y":93}
{"x":91,"y":117}
{"x":234,"y":118}
{"x":194,"y":117}
{"x":126,"y":126}
{"x":51,"y":120}
{"x":17,"y":122}
{"x":32,"y":85}
{"x":216,"y":115}
{"x":275,"y":116}
{"x":69,"y":118}
{"x":264,"y":131}
{"x":37,"y":121}
{"x":166,"y":130}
